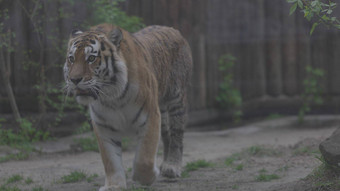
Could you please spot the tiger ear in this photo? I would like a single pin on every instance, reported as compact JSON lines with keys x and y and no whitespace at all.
{"x":116,"y":37}
{"x":75,"y":33}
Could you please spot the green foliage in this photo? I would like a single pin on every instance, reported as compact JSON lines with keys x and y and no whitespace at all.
{"x":87,"y":144}
{"x":138,"y":189}
{"x":14,"y":178}
{"x":192,"y":166}
{"x":84,"y":128}
{"x":75,"y":176}
{"x":18,"y":156}
{"x":239,"y":167}
{"x":28,"y":180}
{"x":108,"y":11}
{"x":21,"y":139}
{"x":229,"y":97}
{"x":318,"y":10}
{"x":274,"y":116}
{"x":7,"y":188}
{"x":230,"y":160}
{"x":5,"y":36}
{"x":91,"y":177}
{"x":312,"y":91}
{"x":195,"y":165}
{"x":264,"y":177}
{"x":39,"y":188}
{"x":26,"y":134}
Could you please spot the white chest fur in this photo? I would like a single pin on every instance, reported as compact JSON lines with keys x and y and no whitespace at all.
{"x":124,"y":118}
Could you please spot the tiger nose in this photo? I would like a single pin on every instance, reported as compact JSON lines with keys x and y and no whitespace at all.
{"x":76,"y":80}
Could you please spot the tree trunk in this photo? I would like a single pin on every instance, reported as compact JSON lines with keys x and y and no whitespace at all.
{"x":5,"y":73}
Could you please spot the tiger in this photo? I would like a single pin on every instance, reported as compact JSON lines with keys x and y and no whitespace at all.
{"x":132,"y":82}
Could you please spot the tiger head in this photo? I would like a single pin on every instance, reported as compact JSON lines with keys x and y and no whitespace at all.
{"x":94,"y":67}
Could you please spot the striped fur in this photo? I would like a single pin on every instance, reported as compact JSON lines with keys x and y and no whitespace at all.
{"x":132,"y":82}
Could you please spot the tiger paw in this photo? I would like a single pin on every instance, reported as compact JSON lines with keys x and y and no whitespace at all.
{"x":146,"y":176}
{"x":171,"y":170}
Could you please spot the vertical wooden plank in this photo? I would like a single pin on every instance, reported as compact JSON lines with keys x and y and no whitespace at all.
{"x":289,"y":51}
{"x":304,"y":47}
{"x":185,"y":12}
{"x":273,"y":47}
{"x":147,"y":12}
{"x":22,"y":80}
{"x":160,"y":12}
{"x":256,"y":49}
{"x":53,"y":57}
{"x":319,"y":48}
{"x":197,"y":41}
{"x":214,"y":40}
{"x":242,"y":38}
{"x":173,"y":13}
{"x":333,"y":75}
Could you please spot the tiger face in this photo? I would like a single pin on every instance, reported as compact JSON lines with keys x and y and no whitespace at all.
{"x":93,"y":67}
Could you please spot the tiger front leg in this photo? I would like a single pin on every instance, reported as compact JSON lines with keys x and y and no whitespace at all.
{"x":145,"y":170}
{"x":109,"y":144}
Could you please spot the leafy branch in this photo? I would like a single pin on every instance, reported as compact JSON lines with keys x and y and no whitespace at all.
{"x":317,"y":10}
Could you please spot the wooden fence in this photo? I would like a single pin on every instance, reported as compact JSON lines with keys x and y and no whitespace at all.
{"x":271,"y":47}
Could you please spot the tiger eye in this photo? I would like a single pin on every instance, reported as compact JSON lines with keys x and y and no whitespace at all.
{"x":71,"y":59}
{"x":91,"y":58}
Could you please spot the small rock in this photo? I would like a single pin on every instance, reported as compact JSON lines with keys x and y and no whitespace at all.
{"x":330,"y":149}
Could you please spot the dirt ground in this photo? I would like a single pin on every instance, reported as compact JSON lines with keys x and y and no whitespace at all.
{"x":276,"y":148}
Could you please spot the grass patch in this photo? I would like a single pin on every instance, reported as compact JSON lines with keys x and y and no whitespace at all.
{"x":28,"y":180}
{"x":258,"y":150}
{"x":192,"y":166}
{"x":75,"y":176}
{"x":21,"y":138}
{"x":324,"y":177}
{"x":91,"y":177}
{"x":185,"y":174}
{"x":305,"y":151}
{"x":138,"y":189}
{"x":239,"y":167}
{"x":87,"y":144}
{"x":274,"y":116}
{"x":230,"y":160}
{"x":6,"y":188}
{"x":283,"y":169}
{"x":39,"y":188}
{"x":14,"y":178}
{"x":18,"y":156}
{"x":264,"y":177}
{"x":235,"y":187}
{"x":195,"y":165}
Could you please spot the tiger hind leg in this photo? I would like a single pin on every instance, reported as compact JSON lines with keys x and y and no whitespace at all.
{"x":172,"y":136}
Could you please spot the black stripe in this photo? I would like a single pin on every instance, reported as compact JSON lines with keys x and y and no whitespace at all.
{"x":113,"y":79}
{"x":93,"y":41}
{"x":106,"y":73}
{"x":117,"y":143}
{"x":138,"y":113}
{"x":102,"y":47}
{"x":124,"y":91}
{"x":106,"y":60}
{"x":175,"y":108}
{"x":106,"y":127}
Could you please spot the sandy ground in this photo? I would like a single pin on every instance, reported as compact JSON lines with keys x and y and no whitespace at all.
{"x":286,"y":149}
